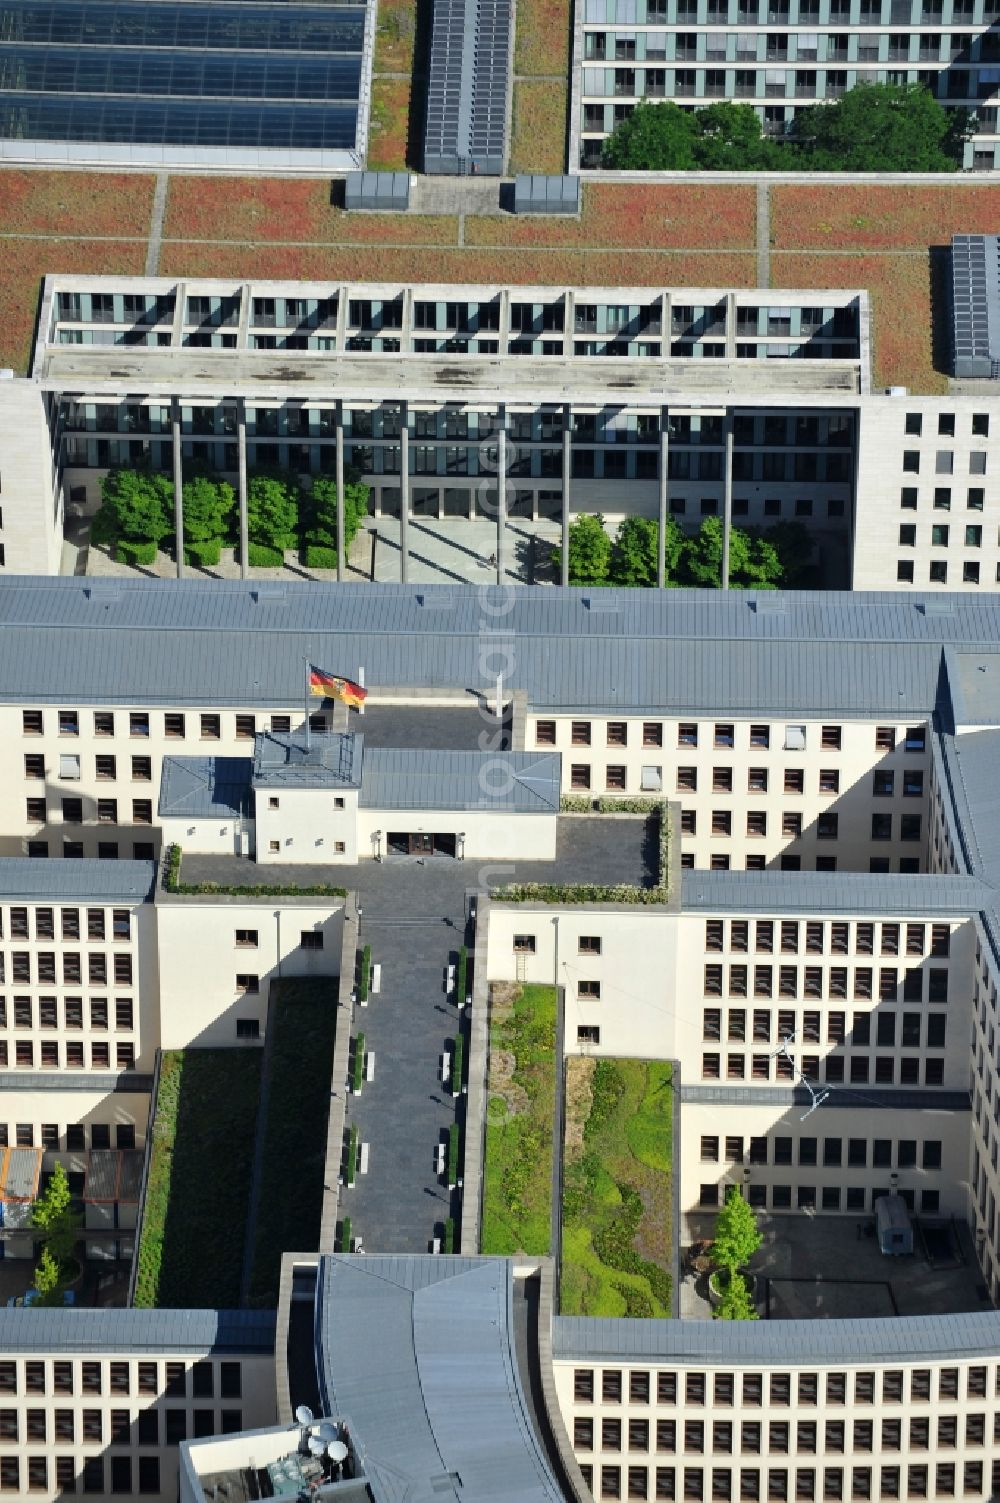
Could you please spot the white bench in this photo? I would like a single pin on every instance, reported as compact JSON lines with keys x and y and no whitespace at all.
{"x":435,"y":1244}
{"x":357,"y":1245}
{"x":363,"y":1153}
{"x":376,"y":983}
{"x":439,"y":1155}
{"x":449,"y":979}
{"x":445,"y":1067}
{"x":369,"y":1066}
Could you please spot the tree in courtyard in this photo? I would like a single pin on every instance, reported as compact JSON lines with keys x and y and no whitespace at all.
{"x":208,"y":508}
{"x":794,"y":547}
{"x":136,"y":505}
{"x":729,"y":137}
{"x":653,"y":138}
{"x":881,"y":127}
{"x":589,"y":551}
{"x":737,"y":1237}
{"x":735,"y":1302}
{"x":754,"y":562}
{"x":47,"y":1280}
{"x":633,"y":552}
{"x":54,"y":1221}
{"x":322,"y":529}
{"x":272,"y":509}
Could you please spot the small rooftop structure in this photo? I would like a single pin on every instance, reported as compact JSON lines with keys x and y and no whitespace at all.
{"x":509,"y":782}
{"x":975,"y":305}
{"x":205,"y":787}
{"x":377,"y":190}
{"x":535,"y":193}
{"x":289,"y":760}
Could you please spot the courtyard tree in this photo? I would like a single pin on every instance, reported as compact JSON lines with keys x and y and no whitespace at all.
{"x":633,"y":552}
{"x":589,"y":551}
{"x":735,"y":1302}
{"x":272,"y":516}
{"x":53,"y":1220}
{"x":881,"y":127}
{"x":653,"y":138}
{"x":321,"y":532}
{"x":137,"y":507}
{"x":737,"y":1236}
{"x":208,"y":508}
{"x":729,"y":138}
{"x":47,"y":1280}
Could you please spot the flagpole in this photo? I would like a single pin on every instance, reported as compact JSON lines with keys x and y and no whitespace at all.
{"x":361,"y":681}
{"x":308,"y":741}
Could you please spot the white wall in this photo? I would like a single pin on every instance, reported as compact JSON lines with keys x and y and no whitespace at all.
{"x":200,"y":960}
{"x":307,"y":825}
{"x":32,"y":513}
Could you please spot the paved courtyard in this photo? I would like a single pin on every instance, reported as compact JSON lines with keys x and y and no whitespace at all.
{"x":829,"y":1267}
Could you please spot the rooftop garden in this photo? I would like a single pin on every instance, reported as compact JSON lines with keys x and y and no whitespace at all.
{"x":303,"y":1017}
{"x":593,"y":892}
{"x":198,"y":1189}
{"x":617,"y":1223}
{"x":172,"y":883}
{"x":517,"y":1188}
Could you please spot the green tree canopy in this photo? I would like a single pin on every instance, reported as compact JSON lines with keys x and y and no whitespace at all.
{"x":633,"y":552}
{"x":47,"y":1280}
{"x":736,"y":1235}
{"x":272,"y":509}
{"x":653,"y":138}
{"x":56,"y":1224}
{"x":794,"y":547}
{"x":729,"y":137}
{"x":735,"y":1303}
{"x":208,"y":508}
{"x":322,"y":529}
{"x":589,"y":551}
{"x":881,"y":127}
{"x":137,"y":505}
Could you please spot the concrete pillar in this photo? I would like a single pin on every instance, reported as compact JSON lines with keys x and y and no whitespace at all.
{"x":241,"y":449}
{"x":567,"y":472}
{"x":727,"y":504}
{"x":341,"y":535}
{"x":501,"y":488}
{"x":404,"y":494}
{"x":175,"y":427}
{"x":663,"y":513}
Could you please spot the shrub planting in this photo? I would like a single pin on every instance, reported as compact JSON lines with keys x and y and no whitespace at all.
{"x":345,"y":1234}
{"x":350,"y":1173}
{"x":364,"y":980}
{"x":454,"y":1135}
{"x":203,"y":555}
{"x":449,"y":1235}
{"x":462,"y":974}
{"x":358,"y":1072}
{"x":129,"y":552}
{"x":457,"y":1066}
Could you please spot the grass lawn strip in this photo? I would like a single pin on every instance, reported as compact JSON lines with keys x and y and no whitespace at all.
{"x":290,"y":1199}
{"x":617,"y":1224}
{"x":650,"y":216}
{"x":198,"y":1188}
{"x":517,"y":1193}
{"x":542,"y":39}
{"x":270,"y":208}
{"x":389,"y":125}
{"x":395,"y":34}
{"x":872,"y":217}
{"x":538,"y":133}
{"x":64,"y":203}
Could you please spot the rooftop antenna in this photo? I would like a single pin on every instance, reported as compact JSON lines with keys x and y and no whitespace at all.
{"x":317,"y":1447}
{"x":816,"y":1098}
{"x":304,"y":1415}
{"x":327,"y":1432}
{"x":337,"y":1452}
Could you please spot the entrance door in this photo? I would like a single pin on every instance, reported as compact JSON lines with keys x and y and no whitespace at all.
{"x":421,"y":845}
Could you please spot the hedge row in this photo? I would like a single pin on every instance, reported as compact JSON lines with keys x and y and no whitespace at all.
{"x":173,"y":883}
{"x":358,"y":1071}
{"x":350,"y":1173}
{"x":461,"y":974}
{"x":590,"y":892}
{"x":345,"y":1234}
{"x":578,"y":803}
{"x":449,"y":1235}
{"x":364,"y":980}
{"x":457,"y":1066}
{"x":454,"y":1134}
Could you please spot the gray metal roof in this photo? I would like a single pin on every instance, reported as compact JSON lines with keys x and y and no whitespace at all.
{"x":419,"y":1352}
{"x":136,"y":1331}
{"x":874,"y":1097}
{"x":21,"y":1171}
{"x":124,"y":1083}
{"x":284,"y":760}
{"x":67,"y":641}
{"x":778,"y":1343}
{"x":467,"y":80}
{"x":511,"y":782}
{"x":27,"y":879}
{"x":198,"y":787}
{"x":882,"y":895}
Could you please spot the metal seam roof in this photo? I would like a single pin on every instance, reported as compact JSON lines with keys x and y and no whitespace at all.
{"x":130,"y":1331}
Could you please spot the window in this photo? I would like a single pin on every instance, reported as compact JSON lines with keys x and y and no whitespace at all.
{"x":142,"y":770}
{"x":580,"y":775}
{"x":247,"y":983}
{"x":138,"y":724}
{"x":652,"y":733}
{"x":32,"y":723}
{"x":211,"y":727}
{"x":588,"y":1034}
{"x":310,"y":939}
{"x":687,"y":734}
{"x":524,"y":944}
{"x":580,"y":733}
{"x":246,"y":727}
{"x":545,"y":733}
{"x":724,"y":735}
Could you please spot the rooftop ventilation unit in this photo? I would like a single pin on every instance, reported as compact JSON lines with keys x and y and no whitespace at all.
{"x":975,"y":306}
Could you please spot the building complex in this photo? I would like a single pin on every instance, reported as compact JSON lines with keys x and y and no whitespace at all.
{"x":783,"y":804}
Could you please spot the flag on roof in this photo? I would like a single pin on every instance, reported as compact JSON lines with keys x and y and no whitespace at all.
{"x":331,"y":686}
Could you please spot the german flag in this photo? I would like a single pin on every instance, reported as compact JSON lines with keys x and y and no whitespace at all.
{"x":329,"y":686}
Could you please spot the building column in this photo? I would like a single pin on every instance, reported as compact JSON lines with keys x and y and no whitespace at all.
{"x":175,"y":428}
{"x":501,"y":488}
{"x":727,"y":502}
{"x":404,"y":493}
{"x":567,"y":472}
{"x":241,"y":449}
{"x":661,"y":540}
{"x":341,"y":534}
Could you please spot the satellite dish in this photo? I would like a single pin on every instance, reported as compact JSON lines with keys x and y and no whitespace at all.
{"x":337,"y":1451}
{"x":304,"y":1414}
{"x":327,"y":1432}
{"x":316,"y":1446}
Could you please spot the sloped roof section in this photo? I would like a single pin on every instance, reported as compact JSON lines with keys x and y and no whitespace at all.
{"x":204,"y":787}
{"x":419,"y":1353}
{"x":510,"y":782}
